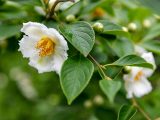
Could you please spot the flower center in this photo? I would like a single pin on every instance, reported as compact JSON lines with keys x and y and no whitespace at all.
{"x":138,"y":76}
{"x":46,"y":46}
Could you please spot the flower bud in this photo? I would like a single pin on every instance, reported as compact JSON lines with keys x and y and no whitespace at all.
{"x":98,"y":100}
{"x":70,"y":18}
{"x":146,"y":23}
{"x":127,"y":69}
{"x":132,"y":26}
{"x":125,"y":29}
{"x":98,"y":27}
{"x":88,"y":104}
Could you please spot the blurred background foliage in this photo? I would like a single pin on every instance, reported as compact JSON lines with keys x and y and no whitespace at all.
{"x":27,"y":95}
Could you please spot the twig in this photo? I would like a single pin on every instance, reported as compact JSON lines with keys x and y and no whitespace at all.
{"x":140,"y":109}
{"x":100,"y":67}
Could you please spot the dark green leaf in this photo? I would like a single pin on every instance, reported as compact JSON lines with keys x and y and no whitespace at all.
{"x":110,"y":88}
{"x":126,"y":112}
{"x":80,"y":35}
{"x":75,"y":75}
{"x":132,"y":60}
{"x":125,"y":46}
{"x":112,"y":28}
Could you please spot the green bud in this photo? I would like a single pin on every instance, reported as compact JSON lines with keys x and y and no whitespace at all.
{"x":127,"y":69}
{"x":70,"y":18}
{"x":132,"y":27}
{"x":98,"y":27}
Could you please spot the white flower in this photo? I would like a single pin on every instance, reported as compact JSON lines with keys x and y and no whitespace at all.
{"x":136,"y":82}
{"x":45,"y":47}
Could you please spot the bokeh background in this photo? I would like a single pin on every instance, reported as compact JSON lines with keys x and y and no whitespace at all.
{"x":27,"y":95}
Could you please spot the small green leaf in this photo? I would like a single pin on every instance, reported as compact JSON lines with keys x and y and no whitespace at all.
{"x":75,"y":75}
{"x":112,"y":28}
{"x":110,"y":88}
{"x":80,"y":35}
{"x":152,"y":45}
{"x":8,"y":30}
{"x":131,"y":60}
{"x":126,"y":112}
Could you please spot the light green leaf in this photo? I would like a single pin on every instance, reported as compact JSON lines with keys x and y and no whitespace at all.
{"x":80,"y":35}
{"x":112,"y":28}
{"x":110,"y":88}
{"x":75,"y":75}
{"x":126,"y":112}
{"x":8,"y":30}
{"x":153,"y":32}
{"x":131,"y":60}
{"x":152,"y":45}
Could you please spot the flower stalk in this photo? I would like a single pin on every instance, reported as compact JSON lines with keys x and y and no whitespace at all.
{"x":134,"y":102}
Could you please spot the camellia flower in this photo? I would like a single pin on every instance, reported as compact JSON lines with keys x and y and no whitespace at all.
{"x":45,"y":47}
{"x":136,"y":82}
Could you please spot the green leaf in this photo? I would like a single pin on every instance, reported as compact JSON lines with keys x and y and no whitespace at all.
{"x":152,"y":45}
{"x":125,"y":46}
{"x":131,"y":60}
{"x":8,"y":30}
{"x":112,"y":28}
{"x":153,"y":32}
{"x":126,"y":112}
{"x":73,"y":10}
{"x":152,"y":4}
{"x":80,"y":35}
{"x":110,"y":88}
{"x":75,"y":75}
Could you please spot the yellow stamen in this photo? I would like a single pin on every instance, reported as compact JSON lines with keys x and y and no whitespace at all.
{"x":46,"y":46}
{"x":138,"y":76}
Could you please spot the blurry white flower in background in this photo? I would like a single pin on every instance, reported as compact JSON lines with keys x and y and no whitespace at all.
{"x":136,"y":82}
{"x":45,"y":47}
{"x":24,"y":83}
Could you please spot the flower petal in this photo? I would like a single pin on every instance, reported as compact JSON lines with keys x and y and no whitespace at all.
{"x":138,"y":88}
{"x":27,"y":46}
{"x":149,"y":58}
{"x":42,"y":64}
{"x":34,"y":29}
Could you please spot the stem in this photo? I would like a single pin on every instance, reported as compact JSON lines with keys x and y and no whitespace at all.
{"x":100,"y":67}
{"x":140,"y":109}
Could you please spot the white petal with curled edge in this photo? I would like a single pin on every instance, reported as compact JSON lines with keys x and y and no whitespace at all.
{"x":34,"y":29}
{"x":27,"y":46}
